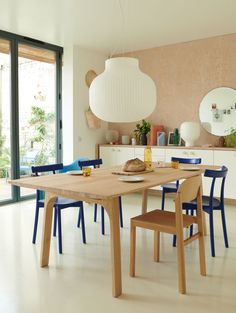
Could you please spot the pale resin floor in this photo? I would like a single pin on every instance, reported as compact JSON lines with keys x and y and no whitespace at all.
{"x":80,"y":279}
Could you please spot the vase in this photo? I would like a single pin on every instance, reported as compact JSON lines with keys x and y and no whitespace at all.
{"x":176,"y":137}
{"x":190,"y":132}
{"x":143,"y":139}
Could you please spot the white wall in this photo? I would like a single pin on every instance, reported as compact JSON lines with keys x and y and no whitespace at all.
{"x":78,"y":139}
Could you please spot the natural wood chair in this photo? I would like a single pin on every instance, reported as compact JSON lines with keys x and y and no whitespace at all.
{"x":174,"y":223}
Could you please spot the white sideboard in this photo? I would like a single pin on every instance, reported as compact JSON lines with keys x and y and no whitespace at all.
{"x":117,"y":155}
{"x":228,"y":159}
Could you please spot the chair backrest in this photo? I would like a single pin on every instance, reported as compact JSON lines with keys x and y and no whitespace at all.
{"x":217,"y":174}
{"x":45,"y":169}
{"x":94,"y":163}
{"x":189,"y":190}
{"x":187,"y":160}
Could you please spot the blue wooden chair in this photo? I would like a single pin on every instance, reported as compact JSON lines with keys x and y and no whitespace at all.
{"x":172,"y":187}
{"x":211,"y":203}
{"x":60,"y":204}
{"x":95,"y":163}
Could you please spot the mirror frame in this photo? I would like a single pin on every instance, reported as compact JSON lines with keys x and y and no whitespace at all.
{"x":217,"y":111}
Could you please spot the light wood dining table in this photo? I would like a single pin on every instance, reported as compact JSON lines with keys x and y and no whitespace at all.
{"x":102,"y":187}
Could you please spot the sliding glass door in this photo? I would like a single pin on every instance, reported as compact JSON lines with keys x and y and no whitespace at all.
{"x":5,"y":120}
{"x":30,"y":109}
{"x":37,"y":108}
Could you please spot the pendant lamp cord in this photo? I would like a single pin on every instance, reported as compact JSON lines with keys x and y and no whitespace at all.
{"x":121,"y":9}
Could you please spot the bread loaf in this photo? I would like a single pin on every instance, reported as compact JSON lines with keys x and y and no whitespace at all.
{"x":134,"y":165}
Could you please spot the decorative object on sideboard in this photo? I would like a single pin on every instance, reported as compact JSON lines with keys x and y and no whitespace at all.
{"x":153,"y":133}
{"x":142,"y":129}
{"x":161,"y":139}
{"x":122,"y":93}
{"x":133,"y":141}
{"x":230,"y":139}
{"x":111,"y":136}
{"x":221,"y":141}
{"x":177,"y":138}
{"x":125,"y":140}
{"x":217,"y":111}
{"x":189,"y":132}
{"x":170,"y":140}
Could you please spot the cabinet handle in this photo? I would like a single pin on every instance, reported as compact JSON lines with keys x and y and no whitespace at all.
{"x":185,"y":153}
{"x":192,"y":153}
{"x":118,"y":150}
{"x":113,"y":149}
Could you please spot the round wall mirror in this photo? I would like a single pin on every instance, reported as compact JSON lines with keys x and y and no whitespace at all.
{"x":217,"y":111}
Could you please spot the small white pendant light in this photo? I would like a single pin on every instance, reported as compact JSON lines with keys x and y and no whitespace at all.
{"x":122,"y":93}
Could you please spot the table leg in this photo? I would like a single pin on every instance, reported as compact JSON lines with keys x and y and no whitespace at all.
{"x":112,"y":208}
{"x":144,"y":201}
{"x":47,"y":226}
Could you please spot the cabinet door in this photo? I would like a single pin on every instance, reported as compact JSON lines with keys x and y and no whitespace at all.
{"x":124,"y":154}
{"x":139,"y":153}
{"x":114,"y":155}
{"x":227,"y":158}
{"x":157,"y":154}
{"x":108,"y":155}
{"x":205,"y":155}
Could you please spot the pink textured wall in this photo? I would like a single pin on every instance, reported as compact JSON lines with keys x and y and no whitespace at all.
{"x":183,"y":74}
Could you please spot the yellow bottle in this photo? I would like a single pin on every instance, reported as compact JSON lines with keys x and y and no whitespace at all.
{"x":148,"y":157}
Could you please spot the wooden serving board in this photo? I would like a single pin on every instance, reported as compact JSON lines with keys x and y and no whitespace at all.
{"x":120,"y":172}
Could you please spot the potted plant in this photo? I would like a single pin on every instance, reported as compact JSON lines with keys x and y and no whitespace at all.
{"x":142,"y":129}
{"x":230,"y":140}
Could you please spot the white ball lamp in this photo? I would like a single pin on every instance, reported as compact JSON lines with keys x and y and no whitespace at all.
{"x":122,"y":93}
{"x":189,"y":132}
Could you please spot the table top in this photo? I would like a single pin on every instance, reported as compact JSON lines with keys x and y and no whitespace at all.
{"x":102,"y":184}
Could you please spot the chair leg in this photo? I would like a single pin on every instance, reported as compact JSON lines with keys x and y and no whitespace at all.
{"x":156,"y":246}
{"x":224,"y":227}
{"x":59,"y":230}
{"x":212,"y":234}
{"x":121,"y":213}
{"x":174,"y":241}
{"x":55,"y":222}
{"x":191,"y":226}
{"x":163,"y":200}
{"x":132,"y":250}
{"x":102,"y":220}
{"x":181,"y":263}
{"x":82,"y":223}
{"x":36,"y":218}
{"x":202,"y":258}
{"x":95,"y":212}
{"x":79,"y":219}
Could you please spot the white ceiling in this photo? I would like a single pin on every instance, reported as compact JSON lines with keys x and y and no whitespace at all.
{"x":101,"y":25}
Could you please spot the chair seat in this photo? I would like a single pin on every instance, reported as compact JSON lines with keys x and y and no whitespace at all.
{"x":205,"y":203}
{"x":161,"y":219}
{"x":64,"y":202}
{"x":170,"y":187}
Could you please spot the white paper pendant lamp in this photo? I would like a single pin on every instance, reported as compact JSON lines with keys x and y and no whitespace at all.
{"x":122,"y":93}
